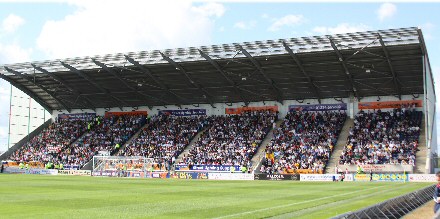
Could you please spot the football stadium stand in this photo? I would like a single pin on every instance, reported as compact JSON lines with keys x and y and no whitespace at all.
{"x":304,"y":141}
{"x":73,"y":142}
{"x":49,"y":144}
{"x":165,"y":137}
{"x":228,"y":89}
{"x":231,"y":140}
{"x":383,"y":137}
{"x":105,"y":136}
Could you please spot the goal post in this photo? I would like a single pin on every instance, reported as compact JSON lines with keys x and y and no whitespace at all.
{"x":120,"y":166}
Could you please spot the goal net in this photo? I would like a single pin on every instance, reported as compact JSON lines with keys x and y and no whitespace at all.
{"x":120,"y":166}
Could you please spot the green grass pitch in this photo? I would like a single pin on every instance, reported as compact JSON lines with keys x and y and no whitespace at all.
{"x":34,"y":196}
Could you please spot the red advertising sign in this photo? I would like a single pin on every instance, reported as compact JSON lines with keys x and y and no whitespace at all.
{"x":239,"y":110}
{"x":131,"y":113}
{"x":390,"y":104}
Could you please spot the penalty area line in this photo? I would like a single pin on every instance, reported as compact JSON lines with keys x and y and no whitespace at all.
{"x":296,"y":203}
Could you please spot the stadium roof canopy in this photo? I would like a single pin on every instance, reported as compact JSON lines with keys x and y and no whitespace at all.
{"x":371,"y":63}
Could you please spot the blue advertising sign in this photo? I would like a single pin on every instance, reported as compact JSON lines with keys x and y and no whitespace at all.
{"x":184,"y":112}
{"x":318,"y":107}
{"x":76,"y":116}
{"x":207,"y":168}
{"x":71,"y":167}
{"x":189,"y":175}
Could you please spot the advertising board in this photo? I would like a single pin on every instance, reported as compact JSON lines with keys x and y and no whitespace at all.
{"x":189,"y":175}
{"x":422,"y":178}
{"x":230,"y":176}
{"x":319,"y":177}
{"x":263,"y":176}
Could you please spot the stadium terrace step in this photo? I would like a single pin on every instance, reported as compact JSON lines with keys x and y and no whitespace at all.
{"x":79,"y":138}
{"x":258,"y":157}
{"x":190,"y":145}
{"x":122,"y":149}
{"x":342,"y":140}
{"x":89,"y":165}
{"x":75,"y":142}
{"x":422,"y":154}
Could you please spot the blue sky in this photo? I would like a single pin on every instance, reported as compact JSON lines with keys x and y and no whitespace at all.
{"x":31,"y":31}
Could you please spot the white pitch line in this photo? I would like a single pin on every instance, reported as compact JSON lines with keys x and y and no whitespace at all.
{"x":292,"y":204}
{"x":335,"y":203}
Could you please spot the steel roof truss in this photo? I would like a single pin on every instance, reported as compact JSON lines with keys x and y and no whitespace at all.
{"x":115,"y":74}
{"x":190,"y":79}
{"x":390,"y":65}
{"x":341,"y":60}
{"x":60,"y":80}
{"x":28,"y":92}
{"x":149,"y":74}
{"x":279,"y":94}
{"x":120,"y":102}
{"x":313,"y":86}
{"x":219,"y":69}
{"x":26,"y":77}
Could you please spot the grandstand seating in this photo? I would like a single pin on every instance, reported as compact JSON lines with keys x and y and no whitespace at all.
{"x":383,"y":137}
{"x":303,"y":142}
{"x":231,"y":139}
{"x":47,"y":145}
{"x":165,"y":137}
{"x":55,"y":144}
{"x":103,"y":136}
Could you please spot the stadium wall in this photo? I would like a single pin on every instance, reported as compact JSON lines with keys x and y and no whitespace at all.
{"x":430,"y":114}
{"x":352,"y":106}
{"x":20,"y":143}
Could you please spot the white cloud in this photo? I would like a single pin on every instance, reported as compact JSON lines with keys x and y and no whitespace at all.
{"x":124,"y":27}
{"x":221,"y":29}
{"x":386,"y":10}
{"x":12,"y":53}
{"x":11,"y":23}
{"x":265,"y":16}
{"x":211,"y":9}
{"x":286,"y":21}
{"x":245,"y":25}
{"x":340,"y":28}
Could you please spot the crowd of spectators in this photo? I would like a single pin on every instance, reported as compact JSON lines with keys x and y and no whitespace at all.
{"x":47,"y":145}
{"x":105,"y":135}
{"x":165,"y":137}
{"x":61,"y":142}
{"x":231,"y":139}
{"x":383,"y":137}
{"x":304,"y":140}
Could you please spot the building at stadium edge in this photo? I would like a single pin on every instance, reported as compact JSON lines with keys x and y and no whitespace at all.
{"x":362,"y":70}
